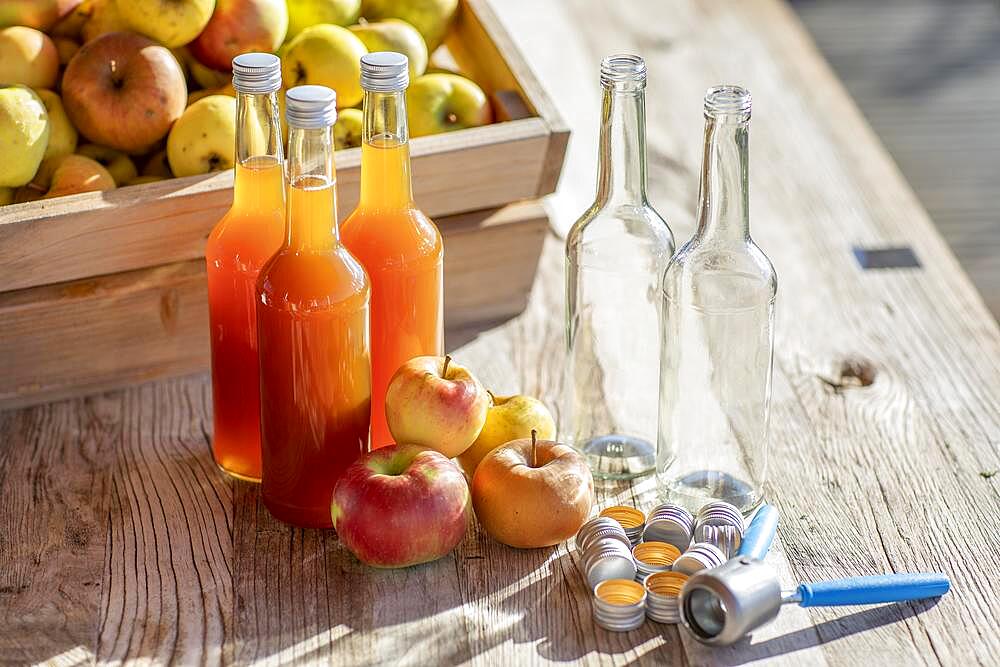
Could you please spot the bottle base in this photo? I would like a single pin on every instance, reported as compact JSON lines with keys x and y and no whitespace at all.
{"x":695,"y":489}
{"x":618,"y":457}
{"x":299,"y":516}
{"x":235,"y":474}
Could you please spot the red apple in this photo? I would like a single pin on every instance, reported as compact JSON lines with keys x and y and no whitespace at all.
{"x":124,"y":91}
{"x":400,"y":506}
{"x":239,"y":26}
{"x":434,"y":402}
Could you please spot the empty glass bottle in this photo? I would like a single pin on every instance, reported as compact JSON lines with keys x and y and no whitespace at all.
{"x":615,"y":255}
{"x":718,"y":315}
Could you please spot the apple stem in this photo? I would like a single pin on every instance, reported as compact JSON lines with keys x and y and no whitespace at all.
{"x":534,"y":448}
{"x":444,"y":369}
{"x":493,"y":399}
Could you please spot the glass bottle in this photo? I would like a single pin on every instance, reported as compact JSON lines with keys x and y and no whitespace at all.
{"x":245,"y":237}
{"x":615,"y":255}
{"x":398,"y":245}
{"x":718,"y":316}
{"x":312,"y":322}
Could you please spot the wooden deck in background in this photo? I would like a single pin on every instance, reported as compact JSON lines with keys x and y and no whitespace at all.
{"x":926,"y":74}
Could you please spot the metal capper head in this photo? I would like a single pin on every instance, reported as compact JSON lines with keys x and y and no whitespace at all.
{"x":721,"y":605}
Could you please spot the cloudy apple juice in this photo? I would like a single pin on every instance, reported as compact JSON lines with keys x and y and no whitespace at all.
{"x":237,"y":248}
{"x":397,"y":244}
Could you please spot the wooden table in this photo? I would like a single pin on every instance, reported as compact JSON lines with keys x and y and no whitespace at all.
{"x":120,"y":540}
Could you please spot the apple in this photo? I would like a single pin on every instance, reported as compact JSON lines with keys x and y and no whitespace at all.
{"x":121,"y":168}
{"x":62,"y":135}
{"x":347,"y":129}
{"x":71,"y":25}
{"x":124,"y":91}
{"x":66,"y":175}
{"x":28,"y":56}
{"x":157,"y":165}
{"x":395,"y":35}
{"x":38,"y":14}
{"x":304,"y":13}
{"x":204,"y":138}
{"x":401,"y":505}
{"x":436,"y":403}
{"x":325,"y":55}
{"x":170,"y":22}
{"x":102,"y":17}
{"x":240,"y":26}
{"x":431,"y":17}
{"x":509,"y":418}
{"x":445,"y":102}
{"x":532,"y":493}
{"x":24,"y":134}
{"x":205,"y":76}
{"x":67,"y":48}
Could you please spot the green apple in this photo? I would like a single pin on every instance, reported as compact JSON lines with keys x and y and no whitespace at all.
{"x":509,"y":418}
{"x":347,"y":129}
{"x":204,"y":138}
{"x":325,"y":55}
{"x":24,"y":134}
{"x":395,"y":35}
{"x":305,"y":13}
{"x":445,"y":102}
{"x":62,"y":135}
{"x":28,"y":56}
{"x":431,"y":17}
{"x":119,"y":165}
{"x":170,"y":22}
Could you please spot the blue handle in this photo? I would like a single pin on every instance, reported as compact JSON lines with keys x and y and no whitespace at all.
{"x":757,"y":540}
{"x":871,"y":590}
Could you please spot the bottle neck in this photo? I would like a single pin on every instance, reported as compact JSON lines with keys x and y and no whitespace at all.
{"x":723,"y":197}
{"x":311,"y":221}
{"x":621,"y":174}
{"x":258,"y":150}
{"x":385,"y":152}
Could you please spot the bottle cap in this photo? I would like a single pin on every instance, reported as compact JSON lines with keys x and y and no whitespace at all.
{"x":662,"y":592}
{"x":653,"y":557}
{"x":256,"y":73}
{"x":701,"y":556}
{"x":669,"y":523}
{"x":611,"y":564}
{"x":619,"y":604}
{"x":591,"y":527}
{"x":311,"y":107}
{"x":631,"y":520}
{"x":384,"y":72}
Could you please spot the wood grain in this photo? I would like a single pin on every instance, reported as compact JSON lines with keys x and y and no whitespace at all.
{"x":99,"y":333}
{"x":885,"y":426}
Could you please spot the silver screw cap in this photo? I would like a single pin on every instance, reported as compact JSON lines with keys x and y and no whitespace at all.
{"x":256,"y":73}
{"x":384,"y":72}
{"x":311,"y":107}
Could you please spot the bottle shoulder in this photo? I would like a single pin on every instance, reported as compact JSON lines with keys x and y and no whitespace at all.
{"x":383,"y":239}
{"x":304,"y":282}
{"x":724,"y":275}
{"x":254,"y":235}
{"x":639,"y":221}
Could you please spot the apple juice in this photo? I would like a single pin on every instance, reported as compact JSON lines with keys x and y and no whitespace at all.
{"x":312,"y":324}
{"x":237,"y":248}
{"x":398,"y":245}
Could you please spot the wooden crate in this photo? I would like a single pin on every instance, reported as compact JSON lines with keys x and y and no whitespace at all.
{"x":105,"y":288}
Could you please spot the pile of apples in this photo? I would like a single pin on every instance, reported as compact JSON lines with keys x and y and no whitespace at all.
{"x":98,"y":94}
{"x":410,"y":503}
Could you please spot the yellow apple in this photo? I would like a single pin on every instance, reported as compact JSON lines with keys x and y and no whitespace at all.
{"x":435,"y":403}
{"x":170,"y":22}
{"x":70,"y":174}
{"x":38,"y":14}
{"x":509,"y":418}
{"x":207,"y":78}
{"x":431,"y":17}
{"x":347,"y":129}
{"x":103,"y":17}
{"x":62,"y":135}
{"x":119,"y":165}
{"x":395,"y":35}
{"x":325,"y":55}
{"x":305,"y":13}
{"x":204,"y":138}
{"x":28,"y":56}
{"x":445,"y":102}
{"x":71,"y":25}
{"x":24,"y":134}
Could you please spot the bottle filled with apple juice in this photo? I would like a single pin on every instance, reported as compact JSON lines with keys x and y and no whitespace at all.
{"x":237,"y":248}
{"x":312,"y":323}
{"x":397,"y":244}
